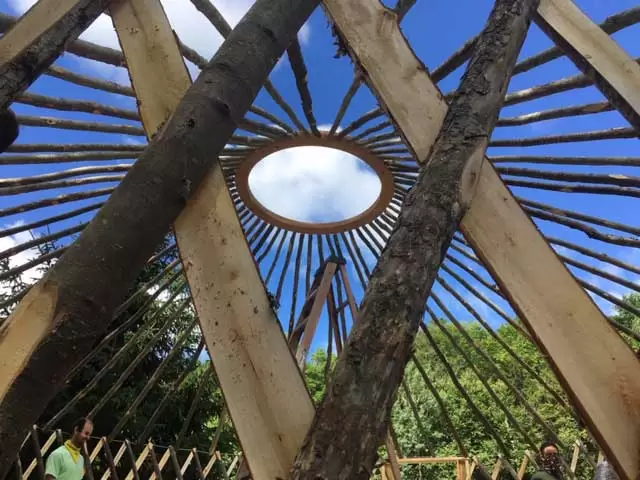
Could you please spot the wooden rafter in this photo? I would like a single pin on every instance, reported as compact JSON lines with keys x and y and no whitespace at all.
{"x":559,"y":312}
{"x":263,"y":388}
{"x":612,"y":70}
{"x":28,"y":48}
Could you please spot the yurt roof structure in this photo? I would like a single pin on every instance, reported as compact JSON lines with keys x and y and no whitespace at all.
{"x":565,"y":146}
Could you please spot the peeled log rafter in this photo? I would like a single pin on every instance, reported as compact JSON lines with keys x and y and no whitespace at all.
{"x":159,"y":186}
{"x":611,"y":134}
{"x":38,"y":38}
{"x":611,"y":161}
{"x":79,"y":125}
{"x":300,"y":73}
{"x":71,"y":105}
{"x":345,"y":436}
{"x":66,"y":158}
{"x":602,"y":179}
{"x":90,"y":82}
{"x":573,"y":188}
{"x":528,"y":118}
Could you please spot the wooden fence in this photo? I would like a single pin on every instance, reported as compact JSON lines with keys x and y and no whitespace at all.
{"x":465,"y":467}
{"x":122,"y":460}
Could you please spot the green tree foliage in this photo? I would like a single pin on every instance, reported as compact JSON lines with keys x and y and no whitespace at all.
{"x":432,"y":435}
{"x":184,"y":365}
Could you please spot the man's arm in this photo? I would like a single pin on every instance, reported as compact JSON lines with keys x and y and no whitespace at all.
{"x":52,"y":470}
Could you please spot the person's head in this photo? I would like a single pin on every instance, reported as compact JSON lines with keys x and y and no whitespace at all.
{"x":550,"y":461}
{"x":82,"y":430}
{"x":548,"y":448}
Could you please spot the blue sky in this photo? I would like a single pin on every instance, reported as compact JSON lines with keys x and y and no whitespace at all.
{"x":435,"y":29}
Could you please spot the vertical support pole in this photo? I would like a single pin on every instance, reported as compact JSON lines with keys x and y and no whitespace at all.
{"x":111,"y":464}
{"x":175,"y":464}
{"x":523,"y":466}
{"x":575,"y":457}
{"x":264,"y":390}
{"x":35,"y":441}
{"x":132,"y":458}
{"x":314,"y":315}
{"x":393,"y":458}
{"x":461,"y":468}
{"x":497,"y":468}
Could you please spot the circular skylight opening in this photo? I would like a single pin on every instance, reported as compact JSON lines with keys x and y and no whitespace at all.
{"x":315,"y":185}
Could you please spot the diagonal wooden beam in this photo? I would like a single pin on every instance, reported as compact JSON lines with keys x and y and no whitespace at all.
{"x":265,"y":393}
{"x":599,"y":56}
{"x":603,"y":377}
{"x":38,"y":38}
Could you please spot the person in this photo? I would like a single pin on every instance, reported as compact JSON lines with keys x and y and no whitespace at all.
{"x":605,"y":471}
{"x":66,"y":462}
{"x":550,"y":463}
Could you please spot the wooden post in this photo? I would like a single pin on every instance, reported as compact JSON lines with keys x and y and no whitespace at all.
{"x":597,"y":54}
{"x":461,"y":469}
{"x":111,"y":464}
{"x":541,"y":289}
{"x":187,"y":462}
{"x":497,"y":468}
{"x":133,"y":473}
{"x":42,"y":452}
{"x":311,"y":322}
{"x":157,"y":474}
{"x":35,"y":441}
{"x":175,"y":464}
{"x":393,"y":458}
{"x":132,"y":458}
{"x":523,"y":466}
{"x":241,"y":330}
{"x":379,"y":346}
{"x":575,"y":457}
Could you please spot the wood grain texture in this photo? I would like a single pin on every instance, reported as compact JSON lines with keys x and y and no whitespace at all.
{"x":264,"y":391}
{"x":604,"y":385}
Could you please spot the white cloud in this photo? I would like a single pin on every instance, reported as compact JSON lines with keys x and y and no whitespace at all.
{"x":31,"y":275}
{"x":314,"y":184}
{"x":191,"y":26}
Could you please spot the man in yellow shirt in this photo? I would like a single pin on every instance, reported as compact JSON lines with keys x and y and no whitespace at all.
{"x":66,"y":462}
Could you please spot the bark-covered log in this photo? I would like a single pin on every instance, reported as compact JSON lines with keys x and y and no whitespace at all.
{"x":610,"y":134}
{"x":23,"y":68}
{"x":301,"y":74}
{"x":9,"y":129}
{"x":71,"y":105}
{"x":159,"y":186}
{"x":90,"y":82}
{"x":353,"y":419}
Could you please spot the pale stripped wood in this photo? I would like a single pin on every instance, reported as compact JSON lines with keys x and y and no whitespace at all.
{"x":599,"y":49}
{"x":140,"y":460}
{"x":40,"y":18}
{"x":161,"y":464}
{"x":268,"y":402}
{"x":116,"y":459}
{"x":45,"y":448}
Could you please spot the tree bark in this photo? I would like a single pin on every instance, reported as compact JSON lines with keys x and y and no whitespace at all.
{"x":353,"y":419}
{"x":70,"y":308}
{"x":19,"y":72}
